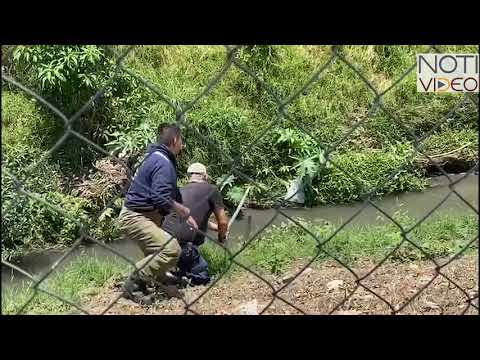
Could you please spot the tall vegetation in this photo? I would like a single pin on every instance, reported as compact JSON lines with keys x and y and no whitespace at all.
{"x":237,"y":126}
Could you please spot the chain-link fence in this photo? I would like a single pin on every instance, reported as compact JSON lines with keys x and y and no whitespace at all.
{"x":469,"y":298}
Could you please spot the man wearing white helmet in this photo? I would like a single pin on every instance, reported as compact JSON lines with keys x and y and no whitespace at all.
{"x":203,"y":199}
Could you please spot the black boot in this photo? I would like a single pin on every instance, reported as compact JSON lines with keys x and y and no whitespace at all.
{"x":135,"y":283}
{"x":135,"y":289}
{"x":176,"y":278}
{"x":171,"y":278}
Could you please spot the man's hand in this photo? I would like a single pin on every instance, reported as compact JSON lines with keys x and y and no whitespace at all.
{"x":222,"y":238}
{"x":222,"y":224}
{"x":181,"y":210}
{"x":191,"y":221}
{"x":184,"y":212}
{"x":212,"y":226}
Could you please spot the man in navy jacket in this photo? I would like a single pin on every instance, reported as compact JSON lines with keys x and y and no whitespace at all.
{"x":152,"y":195}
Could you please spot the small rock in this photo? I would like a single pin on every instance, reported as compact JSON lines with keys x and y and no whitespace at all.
{"x":307,"y":271}
{"x":473,"y":294}
{"x":349,"y":312}
{"x":287,"y":278}
{"x":367,"y":297}
{"x":249,"y":308}
{"x":334,"y":284}
{"x":432,"y":305}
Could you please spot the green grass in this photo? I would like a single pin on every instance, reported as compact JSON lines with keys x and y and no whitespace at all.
{"x":279,"y":246}
{"x":83,"y":277}
{"x":216,"y":258}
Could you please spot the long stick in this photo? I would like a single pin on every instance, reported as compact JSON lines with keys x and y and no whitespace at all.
{"x":425,"y":159}
{"x":237,"y":211}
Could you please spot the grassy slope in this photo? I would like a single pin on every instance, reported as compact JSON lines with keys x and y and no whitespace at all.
{"x":236,"y":112}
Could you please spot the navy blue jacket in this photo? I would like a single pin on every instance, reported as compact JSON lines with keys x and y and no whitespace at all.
{"x":154,"y":185}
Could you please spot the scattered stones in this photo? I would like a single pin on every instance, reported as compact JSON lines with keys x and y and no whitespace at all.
{"x":245,"y":294}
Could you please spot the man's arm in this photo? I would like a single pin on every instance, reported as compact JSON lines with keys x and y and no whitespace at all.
{"x":163,"y":185}
{"x":212,"y":226}
{"x":184,"y":212}
{"x":216,"y":202}
{"x":222,"y":223}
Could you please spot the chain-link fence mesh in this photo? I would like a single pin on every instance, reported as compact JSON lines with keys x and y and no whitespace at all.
{"x":469,"y":298}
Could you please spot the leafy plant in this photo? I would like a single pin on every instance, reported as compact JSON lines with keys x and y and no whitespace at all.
{"x":309,"y":159}
{"x":128,"y":143}
{"x":29,"y":224}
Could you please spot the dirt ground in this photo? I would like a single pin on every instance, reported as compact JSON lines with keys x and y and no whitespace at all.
{"x":320,"y":289}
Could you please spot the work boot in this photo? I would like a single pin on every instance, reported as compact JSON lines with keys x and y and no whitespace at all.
{"x":135,"y":289}
{"x":175,"y":278}
{"x":168,"y":286}
{"x":141,"y":298}
{"x":135,"y":283}
{"x":170,"y":279}
{"x":184,"y":282}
